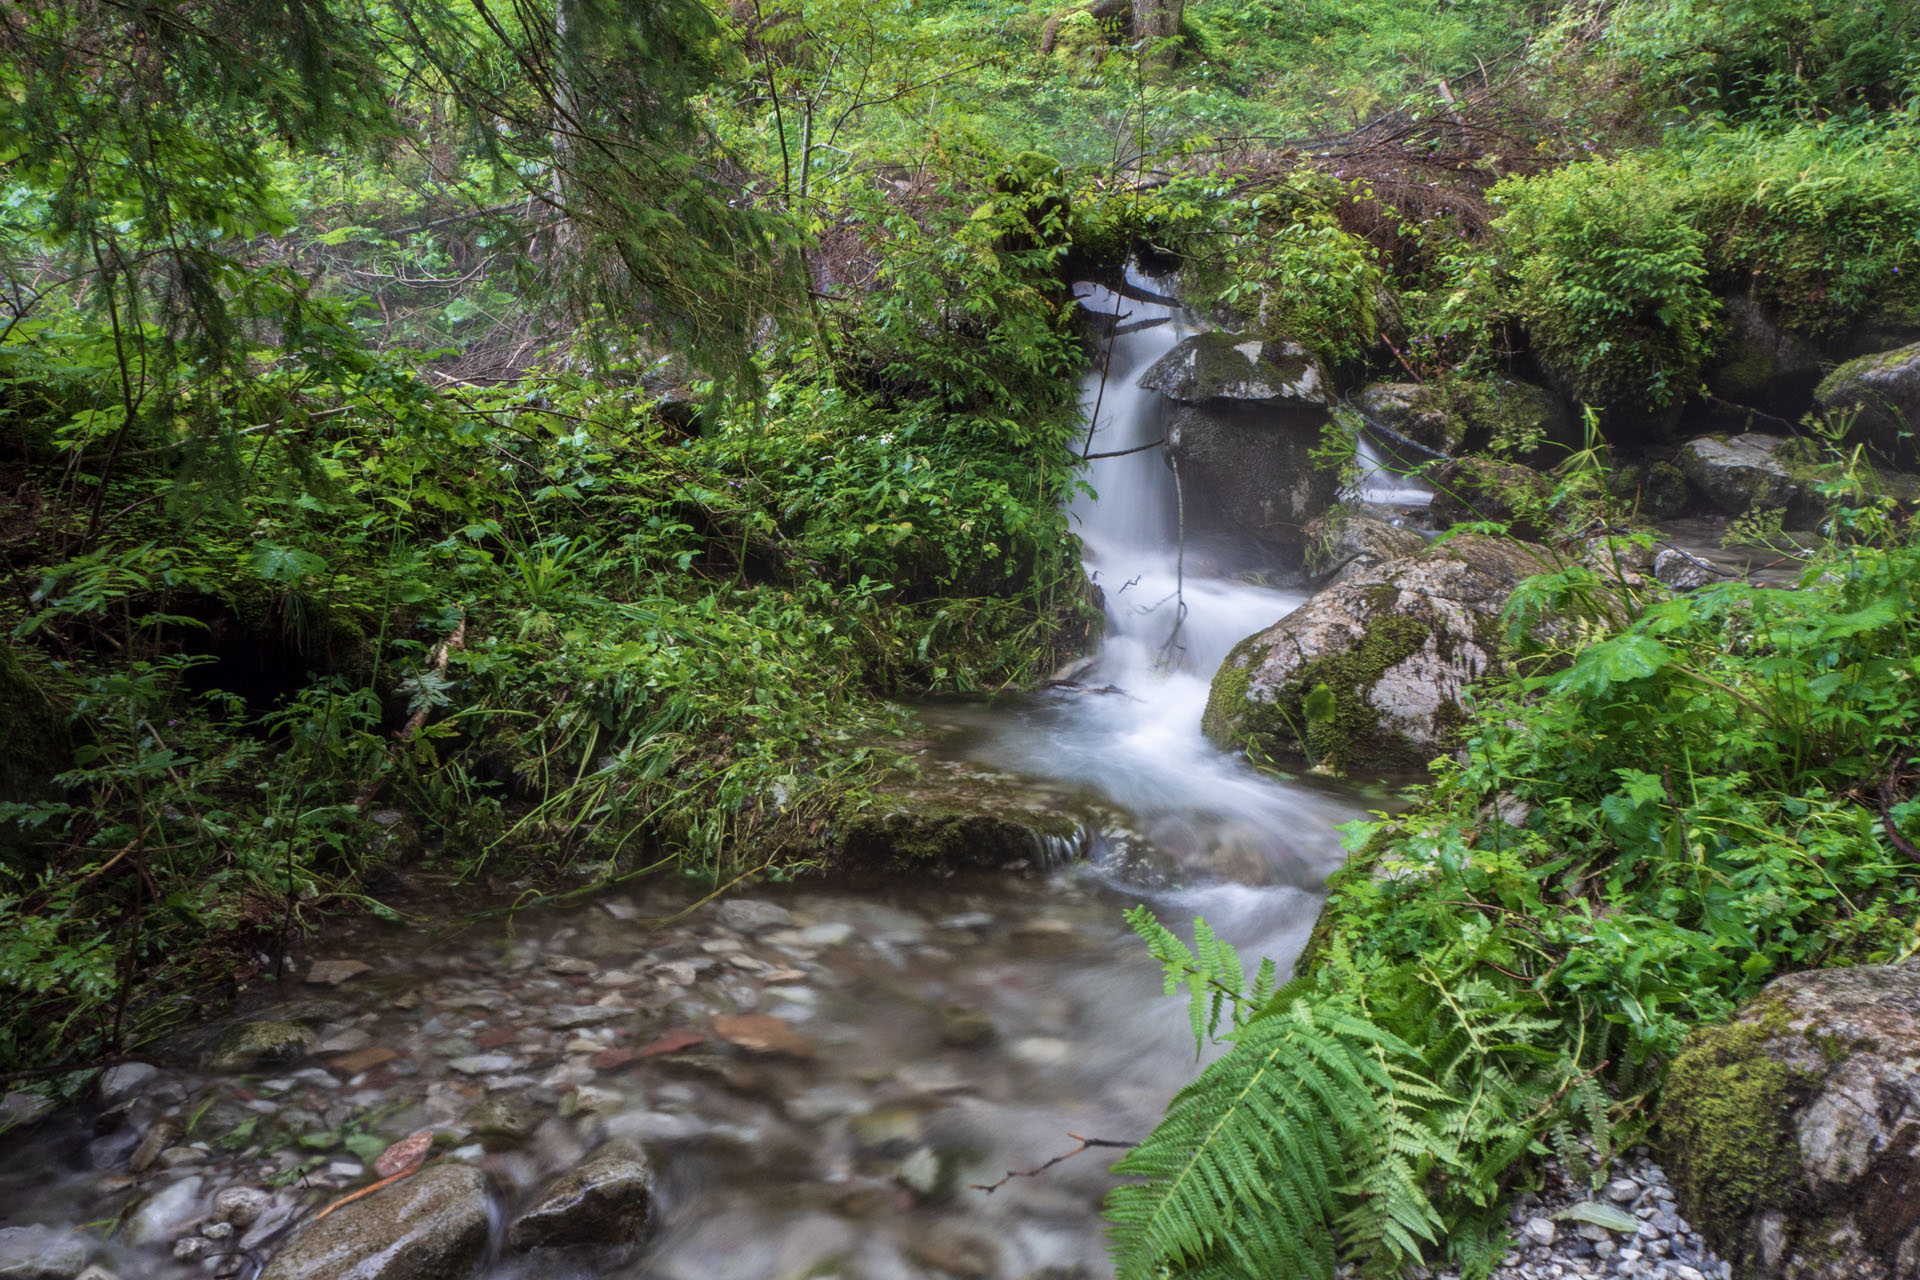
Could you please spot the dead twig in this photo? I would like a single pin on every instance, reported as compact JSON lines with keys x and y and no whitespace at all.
{"x":1085,"y":1144}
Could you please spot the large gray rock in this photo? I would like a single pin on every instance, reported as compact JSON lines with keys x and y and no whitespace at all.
{"x":1247,"y":415}
{"x":1793,"y":1132}
{"x":606,"y":1200}
{"x":1883,"y":392}
{"x":1226,"y":366}
{"x":1370,"y":672}
{"x":431,"y":1226}
{"x":41,"y":1253}
{"x":1751,"y":472}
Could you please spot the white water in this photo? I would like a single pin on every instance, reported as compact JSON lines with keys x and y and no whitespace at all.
{"x":1169,"y":626}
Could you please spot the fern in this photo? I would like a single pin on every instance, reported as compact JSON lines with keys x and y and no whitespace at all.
{"x":1307,"y":1130}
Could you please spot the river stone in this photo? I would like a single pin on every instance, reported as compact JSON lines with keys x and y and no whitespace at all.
{"x":1749,"y":472}
{"x":1225,"y":366}
{"x":19,"y":1109}
{"x":1393,"y":647}
{"x":502,"y":1119}
{"x":166,"y":1213}
{"x":125,"y":1080}
{"x":607,"y":1199}
{"x":1792,"y":1132}
{"x":429,"y":1226}
{"x":331,"y":973}
{"x":1682,"y":571}
{"x":41,"y":1253}
{"x":750,"y":915}
{"x":905,"y":833}
{"x":1344,"y":542}
{"x":1884,"y":392}
{"x":259,"y":1044}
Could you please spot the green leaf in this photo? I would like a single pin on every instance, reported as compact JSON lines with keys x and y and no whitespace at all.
{"x":1612,"y":1217}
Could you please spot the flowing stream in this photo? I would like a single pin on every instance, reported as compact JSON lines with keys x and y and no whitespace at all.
{"x":939,"y":1032}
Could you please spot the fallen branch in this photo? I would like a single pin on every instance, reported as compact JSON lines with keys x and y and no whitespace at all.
{"x":1035,"y":1172}
{"x":372,"y":1187}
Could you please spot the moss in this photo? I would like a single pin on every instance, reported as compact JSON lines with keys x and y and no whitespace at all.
{"x":916,"y":839}
{"x":1724,"y":1119}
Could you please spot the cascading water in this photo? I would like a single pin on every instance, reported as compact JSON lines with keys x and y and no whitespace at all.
{"x":942,"y":1031}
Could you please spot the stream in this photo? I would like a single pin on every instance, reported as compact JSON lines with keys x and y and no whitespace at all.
{"x":822,"y":1075}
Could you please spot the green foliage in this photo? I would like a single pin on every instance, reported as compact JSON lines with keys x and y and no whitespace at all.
{"x":1643,"y":828}
{"x":1772,"y":57}
{"x":1611,"y":283}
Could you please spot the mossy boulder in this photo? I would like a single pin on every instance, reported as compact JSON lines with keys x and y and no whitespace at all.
{"x":1762,"y":364}
{"x":1882,"y":392}
{"x":956,"y":816}
{"x":1477,"y":489}
{"x":1792,"y":1134}
{"x":1515,"y":418}
{"x":1370,"y":673}
{"x":1653,"y":489}
{"x":1754,"y":472}
{"x":1227,"y":366}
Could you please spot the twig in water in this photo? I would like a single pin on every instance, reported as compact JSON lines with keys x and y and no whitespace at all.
{"x":1035,"y":1172}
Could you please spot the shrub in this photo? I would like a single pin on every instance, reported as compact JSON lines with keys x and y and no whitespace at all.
{"x":1610,"y":282}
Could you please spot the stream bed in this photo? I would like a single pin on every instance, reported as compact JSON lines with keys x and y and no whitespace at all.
{"x":823,"y":1078}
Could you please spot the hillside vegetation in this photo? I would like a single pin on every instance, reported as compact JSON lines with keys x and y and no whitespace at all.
{"x":549,"y":442}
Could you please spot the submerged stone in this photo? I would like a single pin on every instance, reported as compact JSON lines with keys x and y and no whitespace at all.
{"x":430,"y":1226}
{"x":41,"y":1253}
{"x":258,"y":1044}
{"x":606,"y":1200}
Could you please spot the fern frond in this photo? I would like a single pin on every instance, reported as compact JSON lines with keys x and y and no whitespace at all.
{"x":1252,"y":1167}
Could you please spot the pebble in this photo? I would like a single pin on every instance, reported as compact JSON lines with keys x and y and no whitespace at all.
{"x":481,"y":1064}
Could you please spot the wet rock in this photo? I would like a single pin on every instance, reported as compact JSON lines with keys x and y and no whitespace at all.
{"x":430,"y":1226}
{"x":363,"y":1059}
{"x":259,"y":1044}
{"x":1343,"y":543}
{"x":1371,"y":671}
{"x":830,"y":933}
{"x":124,"y":1081}
{"x":607,"y":1199}
{"x":761,"y":1033}
{"x":963,"y":1027}
{"x":1465,"y":416}
{"x":502,"y":1120}
{"x":749,"y":915}
{"x":906,"y":833}
{"x":1883,"y":393}
{"x":566,"y":965}
{"x":1683,"y":572}
{"x":41,"y":1253}
{"x":20,"y":1109}
{"x":240,"y":1206}
{"x":1482,"y":489}
{"x":158,"y":1137}
{"x":166,"y":1213}
{"x":331,"y":973}
{"x":1749,"y":472}
{"x":1791,"y":1130}
{"x":481,"y":1064}
{"x":1540,"y":1231}
{"x":955,"y":1253}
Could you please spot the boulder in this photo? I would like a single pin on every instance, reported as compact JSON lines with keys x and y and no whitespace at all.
{"x":1652,"y":489}
{"x":1254,"y":371}
{"x":1751,"y":472}
{"x":430,"y":1226}
{"x":260,"y":1044}
{"x":1883,"y":392}
{"x":41,"y":1253}
{"x":1792,"y":1133}
{"x":1370,"y":672}
{"x":1344,"y":542}
{"x":1683,"y":571}
{"x":1247,"y":416}
{"x":1763,"y":365}
{"x":1517,"y":418}
{"x":605,"y":1200}
{"x":1474,"y":489}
